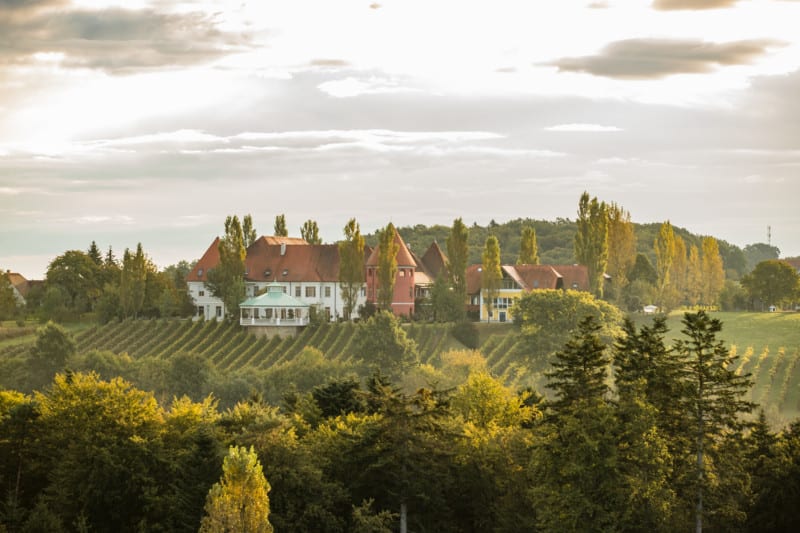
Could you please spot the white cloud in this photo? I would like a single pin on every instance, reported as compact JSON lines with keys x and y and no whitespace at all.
{"x":583,"y":128}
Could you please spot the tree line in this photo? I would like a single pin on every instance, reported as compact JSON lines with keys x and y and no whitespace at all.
{"x":632,"y":434}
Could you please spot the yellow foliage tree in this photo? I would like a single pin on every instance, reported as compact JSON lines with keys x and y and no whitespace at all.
{"x":239,"y":502}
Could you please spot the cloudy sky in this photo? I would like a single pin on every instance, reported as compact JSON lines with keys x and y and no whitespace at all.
{"x":135,"y":121}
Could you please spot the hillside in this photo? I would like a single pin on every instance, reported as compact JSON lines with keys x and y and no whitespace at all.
{"x":556,"y":241}
{"x":768,"y":345}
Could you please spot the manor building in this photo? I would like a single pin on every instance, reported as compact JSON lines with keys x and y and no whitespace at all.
{"x":309,"y":273}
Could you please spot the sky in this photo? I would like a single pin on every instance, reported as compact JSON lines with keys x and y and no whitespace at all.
{"x":134,"y":121}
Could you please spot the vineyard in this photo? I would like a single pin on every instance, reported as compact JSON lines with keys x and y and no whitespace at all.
{"x":768,"y":347}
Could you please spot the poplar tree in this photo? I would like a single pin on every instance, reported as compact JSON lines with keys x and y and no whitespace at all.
{"x":458,"y":255}
{"x":226,"y":280}
{"x":280,"y":226}
{"x":491,"y":273}
{"x":694,"y":277}
{"x":310,"y":232}
{"x":528,"y":248}
{"x":387,"y":266}
{"x":351,"y":266}
{"x":133,"y":279}
{"x":713,"y":271}
{"x":240,"y":501}
{"x":591,"y":240}
{"x":249,"y":234}
{"x":664,"y":246}
{"x":621,"y":246}
{"x":675,"y":292}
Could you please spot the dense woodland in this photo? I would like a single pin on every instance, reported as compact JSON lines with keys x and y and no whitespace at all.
{"x":574,"y":418}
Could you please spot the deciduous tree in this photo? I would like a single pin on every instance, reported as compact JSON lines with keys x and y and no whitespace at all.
{"x":249,"y":234}
{"x":621,"y":247}
{"x":772,"y":282}
{"x":240,"y":501}
{"x":226,"y":280}
{"x":491,"y":274}
{"x":133,"y":281}
{"x":713,"y":272}
{"x":310,"y":232}
{"x":528,"y":248}
{"x":591,"y":240}
{"x":665,"y":254}
{"x":280,"y":226}
{"x":351,"y":266}
{"x":387,"y":266}
{"x":458,"y":255}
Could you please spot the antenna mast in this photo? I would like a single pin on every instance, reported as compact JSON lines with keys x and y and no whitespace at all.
{"x":769,"y":235}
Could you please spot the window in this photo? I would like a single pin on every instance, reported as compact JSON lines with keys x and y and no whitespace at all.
{"x":199,"y":272}
{"x":297,"y":291}
{"x":285,"y":272}
{"x":219,"y":311}
{"x":201,"y":293}
{"x":363,"y":291}
{"x":267,"y":273}
{"x":328,"y":313}
{"x":402,"y":273}
{"x":200,"y":310}
{"x":327,"y":292}
{"x":311,"y":292}
{"x":411,"y":292}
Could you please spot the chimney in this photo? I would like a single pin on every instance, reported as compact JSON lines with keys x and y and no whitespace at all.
{"x":283,"y":248}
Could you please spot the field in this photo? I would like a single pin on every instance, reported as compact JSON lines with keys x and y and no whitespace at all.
{"x":768,"y":346}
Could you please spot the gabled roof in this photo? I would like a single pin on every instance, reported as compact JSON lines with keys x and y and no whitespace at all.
{"x":209,"y":260}
{"x":274,"y":239}
{"x":533,"y":277}
{"x":538,"y":276}
{"x":404,"y":257}
{"x":575,"y":277}
{"x":299,"y":262}
{"x":434,"y":261}
{"x":19,"y":282}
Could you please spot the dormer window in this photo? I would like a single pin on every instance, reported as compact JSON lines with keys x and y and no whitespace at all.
{"x":267,"y":273}
{"x":199,"y":272}
{"x":285,"y":272}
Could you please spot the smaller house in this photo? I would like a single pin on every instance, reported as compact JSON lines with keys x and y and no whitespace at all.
{"x":517,"y":280}
{"x":650,"y":309}
{"x":20,"y":286}
{"x":273,"y":313}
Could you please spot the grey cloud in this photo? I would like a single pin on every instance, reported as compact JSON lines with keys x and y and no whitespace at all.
{"x":669,"y":5}
{"x":658,"y":58}
{"x":117,"y":40}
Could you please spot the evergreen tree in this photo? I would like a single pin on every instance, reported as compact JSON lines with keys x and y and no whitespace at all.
{"x":713,"y":398}
{"x":491,"y":274}
{"x":310,"y":232}
{"x":577,"y":481}
{"x":94,"y":254}
{"x":351,"y":266}
{"x":226,"y":280}
{"x":387,"y":266}
{"x":240,"y":501}
{"x":133,"y":280}
{"x":458,"y":255}
{"x":280,"y":226}
{"x":591,"y":240}
{"x":383,"y":345}
{"x":528,"y":248}
{"x":249,"y":234}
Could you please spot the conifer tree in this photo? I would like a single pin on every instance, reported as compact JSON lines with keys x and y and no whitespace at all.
{"x":240,"y":501}
{"x":528,"y":248}
{"x":714,"y":400}
{"x":491,"y":274}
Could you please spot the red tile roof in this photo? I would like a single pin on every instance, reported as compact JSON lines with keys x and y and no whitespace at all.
{"x":531,"y":277}
{"x":19,"y":282}
{"x":537,"y":276}
{"x":303,"y":262}
{"x":404,"y":257}
{"x":434,"y":260}
{"x":575,"y":276}
{"x":209,"y":260}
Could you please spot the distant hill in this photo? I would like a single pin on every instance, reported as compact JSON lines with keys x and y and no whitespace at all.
{"x":556,"y":238}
